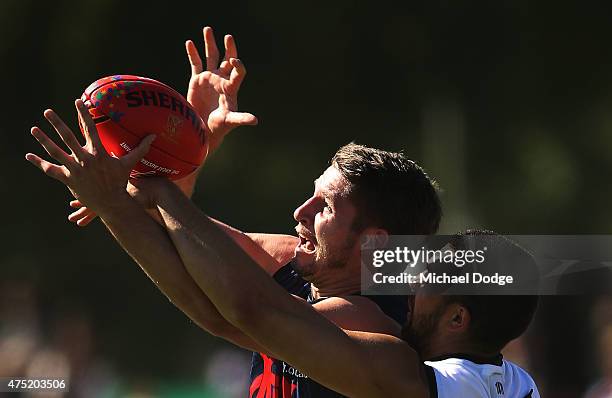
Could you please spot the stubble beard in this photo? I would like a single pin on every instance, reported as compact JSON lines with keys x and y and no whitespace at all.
{"x":419,"y":332}
{"x":326,"y":258}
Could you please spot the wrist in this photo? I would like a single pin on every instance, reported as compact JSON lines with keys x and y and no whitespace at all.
{"x":165,"y":190}
{"x":187,"y":183}
{"x":216,"y":143}
{"x":115,"y":206}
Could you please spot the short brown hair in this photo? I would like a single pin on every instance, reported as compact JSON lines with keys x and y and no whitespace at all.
{"x":390,"y":191}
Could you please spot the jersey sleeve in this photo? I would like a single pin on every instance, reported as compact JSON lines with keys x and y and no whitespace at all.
{"x":455,"y":378}
{"x":452,"y":383}
{"x":292,"y":282}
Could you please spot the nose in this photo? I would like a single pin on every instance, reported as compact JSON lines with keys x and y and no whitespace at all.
{"x":305,"y":213}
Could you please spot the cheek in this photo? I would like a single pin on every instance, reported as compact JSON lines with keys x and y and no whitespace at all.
{"x":323,"y":226}
{"x":419,"y":305}
{"x":328,"y":231}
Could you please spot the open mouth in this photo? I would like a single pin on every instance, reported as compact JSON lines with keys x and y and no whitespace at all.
{"x":306,"y":245}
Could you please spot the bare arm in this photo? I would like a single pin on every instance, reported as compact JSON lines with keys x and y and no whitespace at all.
{"x":349,"y":364}
{"x":280,"y":247}
{"x":99,"y":180}
{"x":150,"y":247}
{"x":269,"y":251}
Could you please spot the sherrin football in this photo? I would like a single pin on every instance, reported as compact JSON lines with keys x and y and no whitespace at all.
{"x":127,"y":108}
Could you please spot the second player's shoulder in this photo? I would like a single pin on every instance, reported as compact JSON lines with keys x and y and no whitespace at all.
{"x":460,"y":376}
{"x":520,"y":379}
{"x":357,"y":313}
{"x":455,"y":378}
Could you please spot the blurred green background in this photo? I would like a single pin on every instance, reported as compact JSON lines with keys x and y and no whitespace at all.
{"x":507,"y":104}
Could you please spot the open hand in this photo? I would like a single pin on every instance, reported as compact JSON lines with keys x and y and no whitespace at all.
{"x":213,"y":91}
{"x":83,"y":215}
{"x":93,"y":177}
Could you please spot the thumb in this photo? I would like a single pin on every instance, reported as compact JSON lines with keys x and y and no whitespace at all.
{"x":139,"y":152}
{"x":235,"y":119}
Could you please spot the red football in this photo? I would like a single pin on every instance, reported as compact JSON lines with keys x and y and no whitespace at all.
{"x":128,"y":108}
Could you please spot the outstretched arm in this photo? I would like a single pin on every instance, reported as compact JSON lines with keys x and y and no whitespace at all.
{"x":99,"y":181}
{"x":150,"y":247}
{"x":355,"y":364}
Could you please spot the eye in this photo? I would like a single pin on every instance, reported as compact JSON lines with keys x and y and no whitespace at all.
{"x":327,"y":208}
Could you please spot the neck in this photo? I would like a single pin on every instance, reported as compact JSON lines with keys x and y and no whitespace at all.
{"x":335,"y":284}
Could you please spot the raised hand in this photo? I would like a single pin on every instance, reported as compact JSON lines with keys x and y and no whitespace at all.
{"x":213,"y":91}
{"x":93,"y":177}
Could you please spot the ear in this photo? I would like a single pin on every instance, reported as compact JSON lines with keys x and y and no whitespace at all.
{"x":374,"y":238}
{"x":460,"y":318}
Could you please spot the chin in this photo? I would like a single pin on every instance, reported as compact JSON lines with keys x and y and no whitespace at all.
{"x":303,"y":264}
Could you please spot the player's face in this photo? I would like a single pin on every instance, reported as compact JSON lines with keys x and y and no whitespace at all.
{"x":325,"y":227}
{"x":424,"y":319}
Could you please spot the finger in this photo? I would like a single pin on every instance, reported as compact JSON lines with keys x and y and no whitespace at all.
{"x":50,"y":169}
{"x":83,"y":222}
{"x":235,"y":119}
{"x":138,"y":153}
{"x":237,"y":75}
{"x":210,"y":47}
{"x":225,"y":68}
{"x":76,"y":204}
{"x":51,"y":147}
{"x":194,"y":58}
{"x":80,"y":213}
{"x":231,"y":51}
{"x":89,"y":127}
{"x":64,"y":132}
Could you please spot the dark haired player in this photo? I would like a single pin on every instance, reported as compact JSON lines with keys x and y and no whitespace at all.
{"x":365,"y":191}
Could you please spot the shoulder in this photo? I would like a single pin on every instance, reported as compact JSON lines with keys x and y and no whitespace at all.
{"x":519,"y":379}
{"x":454,"y":378}
{"x":357,"y":313}
{"x":393,"y":364}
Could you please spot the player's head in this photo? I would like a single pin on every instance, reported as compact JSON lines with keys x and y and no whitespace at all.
{"x":478,"y":323}
{"x":364,"y":191}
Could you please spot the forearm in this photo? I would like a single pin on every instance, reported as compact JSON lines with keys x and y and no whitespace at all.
{"x":187,"y":184}
{"x":149,"y":245}
{"x":217,"y":263}
{"x":270,"y":251}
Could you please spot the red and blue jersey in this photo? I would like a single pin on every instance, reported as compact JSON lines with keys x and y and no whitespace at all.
{"x":273,"y":378}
